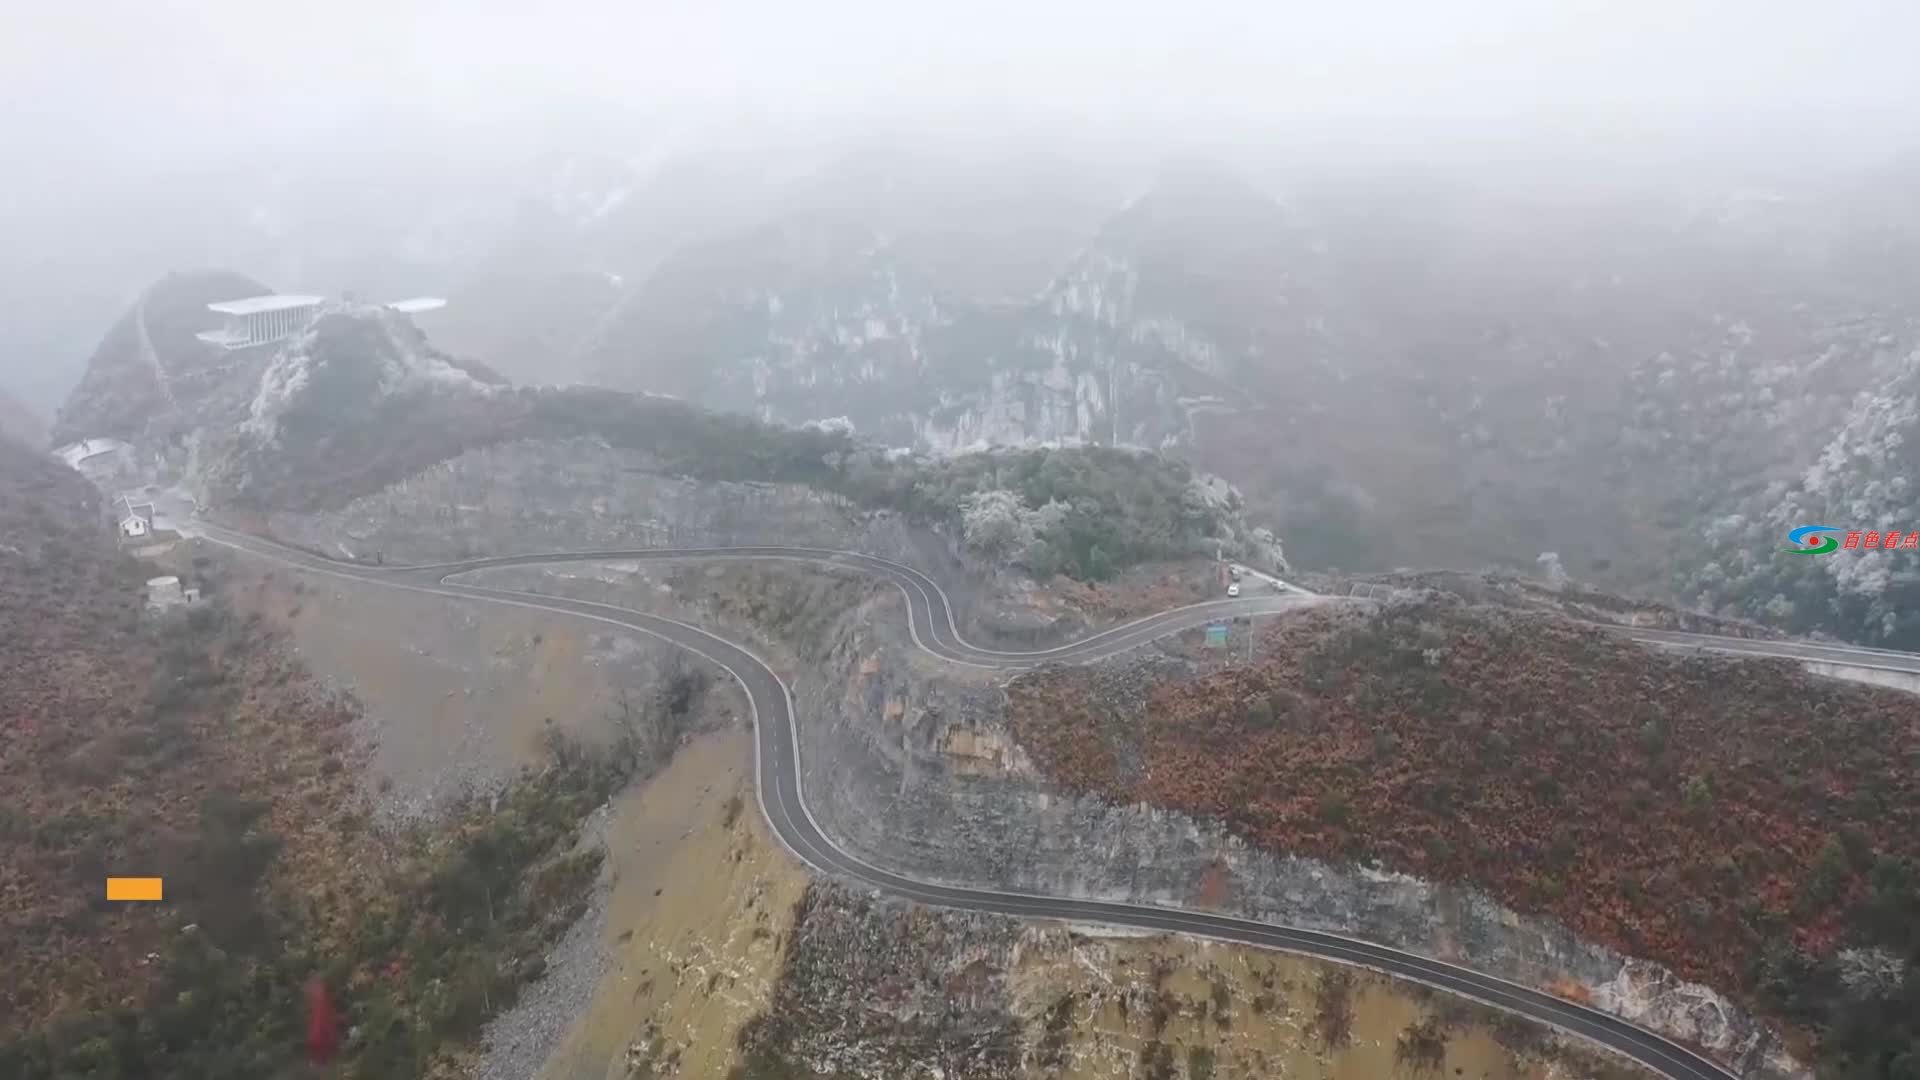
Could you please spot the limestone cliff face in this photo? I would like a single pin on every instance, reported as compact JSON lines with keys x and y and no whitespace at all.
{"x":874,"y":348}
{"x":810,"y":320}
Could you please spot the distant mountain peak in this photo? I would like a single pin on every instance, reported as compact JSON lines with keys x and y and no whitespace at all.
{"x":1197,"y":201}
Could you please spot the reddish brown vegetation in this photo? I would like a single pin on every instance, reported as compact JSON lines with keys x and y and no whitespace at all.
{"x":1572,"y":991}
{"x":1140,"y":590}
{"x":1687,"y":809}
{"x":116,"y":736}
{"x":1215,"y":890}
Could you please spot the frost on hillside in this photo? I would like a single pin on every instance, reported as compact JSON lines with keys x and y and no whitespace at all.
{"x":1103,"y":511}
{"x":1133,"y":332}
{"x":349,"y":360}
{"x":359,"y":392}
{"x":1858,"y":482}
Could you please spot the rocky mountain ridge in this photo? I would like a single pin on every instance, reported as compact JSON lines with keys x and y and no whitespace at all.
{"x":360,"y":401}
{"x":1397,"y":372}
{"x":831,"y":317}
{"x":224,"y":426}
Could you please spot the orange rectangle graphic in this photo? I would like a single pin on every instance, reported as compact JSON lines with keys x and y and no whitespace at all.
{"x":133,"y":888}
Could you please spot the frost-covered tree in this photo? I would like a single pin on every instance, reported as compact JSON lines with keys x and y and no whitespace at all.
{"x":1046,"y":529}
{"x":1551,"y":569}
{"x":1871,"y":973}
{"x":997,"y":524}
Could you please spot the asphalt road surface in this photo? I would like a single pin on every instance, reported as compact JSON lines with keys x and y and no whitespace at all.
{"x":1817,"y":652}
{"x":931,"y":621}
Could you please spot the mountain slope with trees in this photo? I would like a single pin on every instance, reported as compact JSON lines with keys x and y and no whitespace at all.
{"x":134,"y":381}
{"x":191,"y":747}
{"x":363,"y":400}
{"x":1430,"y":369}
{"x":1746,"y":824}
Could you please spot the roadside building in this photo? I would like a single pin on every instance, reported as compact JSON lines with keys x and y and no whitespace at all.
{"x":136,"y":519}
{"x":166,"y":592}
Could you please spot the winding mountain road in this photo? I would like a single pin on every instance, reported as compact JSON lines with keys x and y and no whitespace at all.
{"x":931,"y":622}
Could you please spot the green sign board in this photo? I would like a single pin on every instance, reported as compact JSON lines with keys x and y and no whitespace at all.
{"x":1216,"y":634}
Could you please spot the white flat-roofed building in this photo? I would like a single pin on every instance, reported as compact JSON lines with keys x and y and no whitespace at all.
{"x":76,"y":452}
{"x":416,"y":305}
{"x":261,"y":320}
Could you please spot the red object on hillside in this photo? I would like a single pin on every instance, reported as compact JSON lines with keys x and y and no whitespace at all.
{"x":323,"y":1024}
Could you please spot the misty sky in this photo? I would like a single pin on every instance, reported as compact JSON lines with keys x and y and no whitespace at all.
{"x":197,"y":70}
{"x":138,"y":132}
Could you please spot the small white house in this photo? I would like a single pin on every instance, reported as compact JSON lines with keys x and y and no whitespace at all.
{"x":136,"y":519}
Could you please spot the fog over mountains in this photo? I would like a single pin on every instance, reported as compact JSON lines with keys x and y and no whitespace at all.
{"x":1431,"y":289}
{"x":1339,"y":462}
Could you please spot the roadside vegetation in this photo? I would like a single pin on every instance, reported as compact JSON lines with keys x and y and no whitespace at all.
{"x":1749,"y":825}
